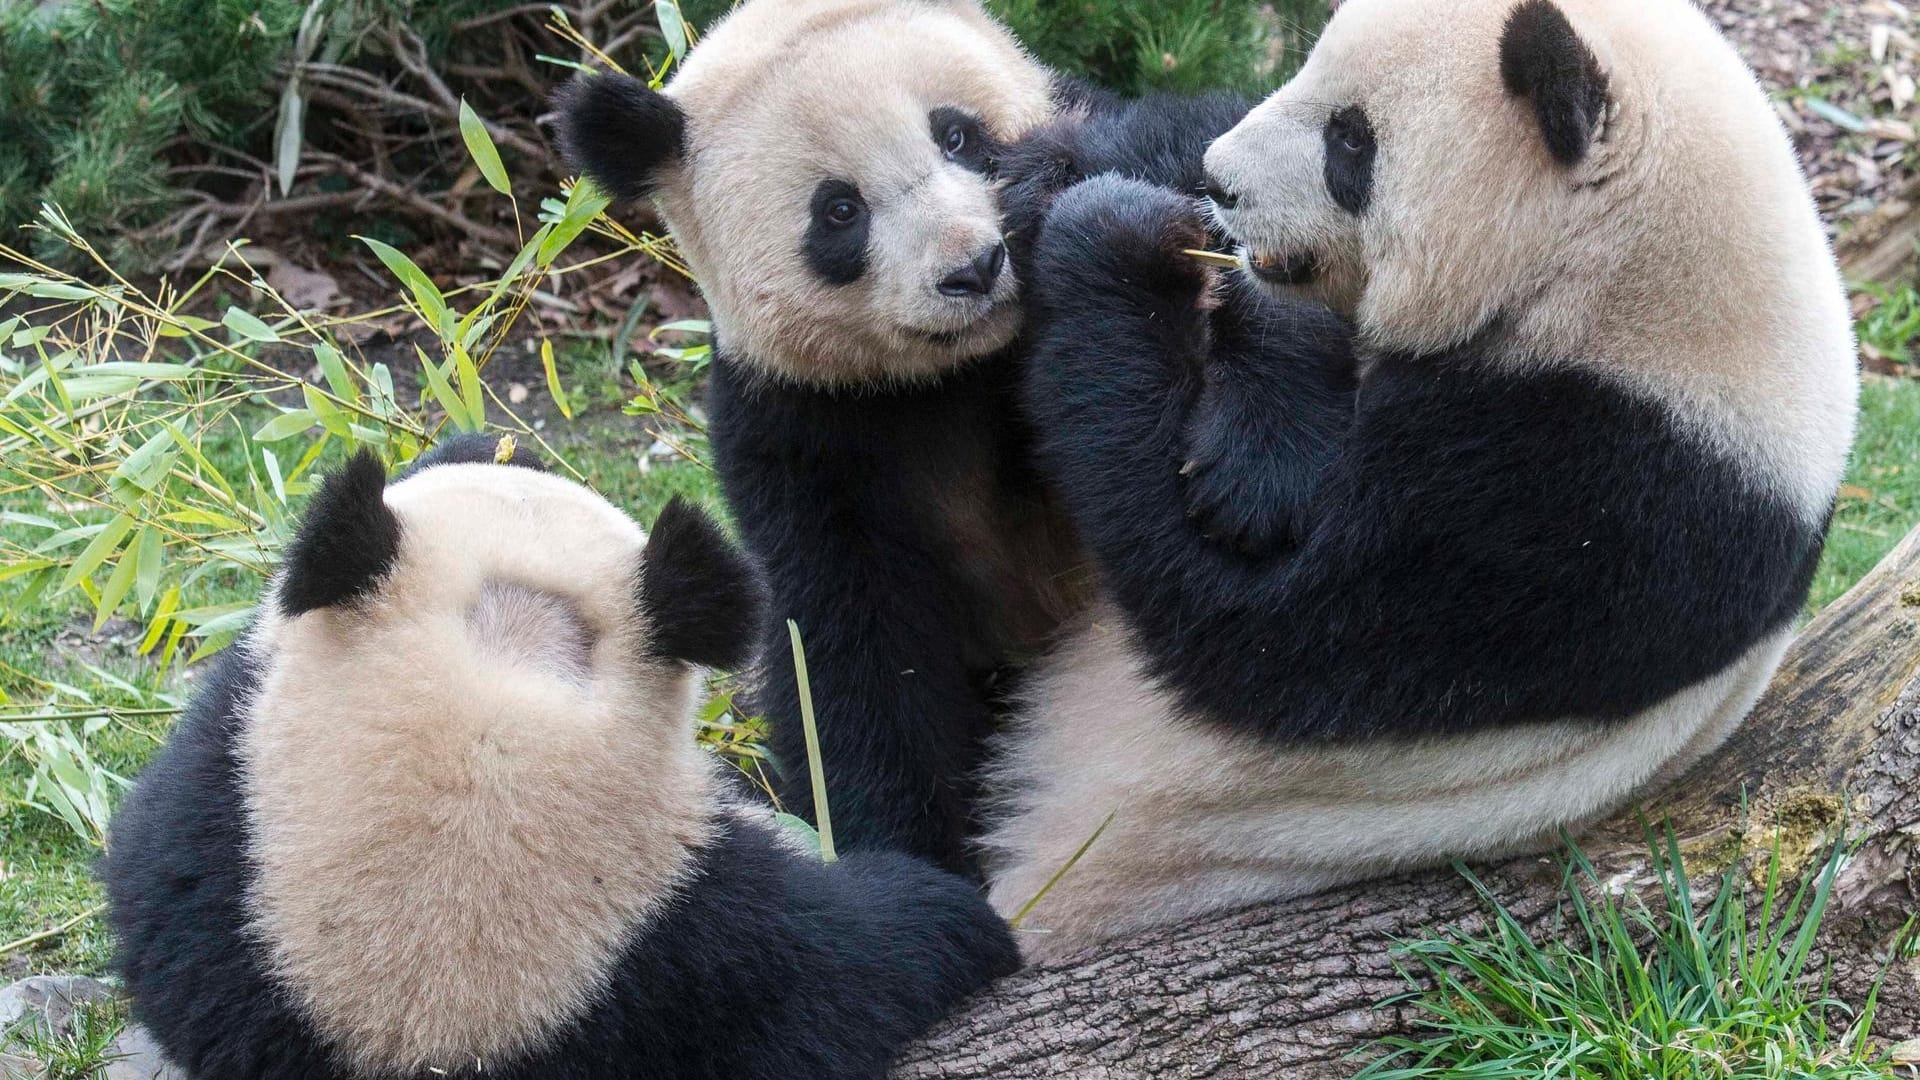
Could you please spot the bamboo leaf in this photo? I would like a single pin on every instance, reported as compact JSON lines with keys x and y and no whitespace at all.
{"x":43,"y":288}
{"x":380,"y":378}
{"x":485,"y":154}
{"x":584,"y":203}
{"x":198,"y":516}
{"x":147,"y":467}
{"x":85,"y":388}
{"x":16,"y":568}
{"x":117,"y":587}
{"x":97,"y":552}
{"x":151,"y":546}
{"x":333,"y":367}
{"x":157,"y":372}
{"x":433,"y":306}
{"x":682,"y":326}
{"x":285,"y":426}
{"x":287,"y":137}
{"x":272,"y":464}
{"x":554,"y":388}
{"x":472,"y":394}
{"x":248,"y":326}
{"x":187,"y":447}
{"x":329,"y":414}
{"x":162,"y":619}
{"x":442,"y":393}
{"x":673,"y":26}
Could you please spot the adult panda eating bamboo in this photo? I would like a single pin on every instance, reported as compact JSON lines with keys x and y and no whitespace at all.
{"x":854,"y":184}
{"x":441,"y":814}
{"x":1549,"y":552}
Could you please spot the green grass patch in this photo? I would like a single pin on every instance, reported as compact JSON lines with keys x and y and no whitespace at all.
{"x":1881,"y":500}
{"x":1634,"y":988}
{"x":82,"y":1051}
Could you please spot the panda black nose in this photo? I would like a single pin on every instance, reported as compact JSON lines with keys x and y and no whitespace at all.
{"x":977,"y":277}
{"x":1224,"y":199}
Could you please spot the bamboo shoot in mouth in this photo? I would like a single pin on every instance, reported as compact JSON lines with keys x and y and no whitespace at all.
{"x":1217,"y":258}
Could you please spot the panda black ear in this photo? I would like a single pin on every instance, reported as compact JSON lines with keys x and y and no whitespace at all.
{"x":348,"y":541}
{"x":702,"y":600}
{"x":619,"y":132}
{"x":1543,"y":60}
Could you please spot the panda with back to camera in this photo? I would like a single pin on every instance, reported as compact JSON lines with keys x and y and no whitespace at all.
{"x":441,"y":814}
{"x":1550,"y":551}
{"x":854,"y":184}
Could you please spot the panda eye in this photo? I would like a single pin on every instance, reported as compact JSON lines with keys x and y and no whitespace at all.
{"x":961,"y":137}
{"x":843,"y":211}
{"x":1350,"y":129}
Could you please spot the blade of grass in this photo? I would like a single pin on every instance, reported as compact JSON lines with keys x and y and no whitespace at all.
{"x":822,"y":817}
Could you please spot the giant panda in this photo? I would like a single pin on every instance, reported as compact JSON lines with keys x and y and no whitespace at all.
{"x":1542,"y":546}
{"x":855,"y":183}
{"x":441,"y":814}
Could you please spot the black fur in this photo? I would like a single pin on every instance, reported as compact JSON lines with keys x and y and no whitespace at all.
{"x":703,"y":602}
{"x":347,"y":543}
{"x":618,"y":132}
{"x":837,"y":250}
{"x":1350,"y":153}
{"x":1161,"y":139}
{"x":841,"y":496}
{"x":472,"y":449}
{"x":1543,"y":60}
{"x":1481,"y":548}
{"x":767,"y":965}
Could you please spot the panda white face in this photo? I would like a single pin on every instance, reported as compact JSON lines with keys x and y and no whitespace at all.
{"x":1398,"y":146}
{"x":834,"y":186}
{"x":1597,"y":181}
{"x":1436,"y":160}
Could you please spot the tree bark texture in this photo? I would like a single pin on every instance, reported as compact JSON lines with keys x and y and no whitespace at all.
{"x":1290,"y":990}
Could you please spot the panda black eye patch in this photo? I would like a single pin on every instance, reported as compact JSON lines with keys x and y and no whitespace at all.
{"x":1350,"y":152}
{"x":963,"y":139}
{"x":836,"y":243}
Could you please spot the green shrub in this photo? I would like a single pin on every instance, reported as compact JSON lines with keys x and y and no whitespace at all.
{"x":1140,"y":45}
{"x":150,"y":121}
{"x":91,"y":94}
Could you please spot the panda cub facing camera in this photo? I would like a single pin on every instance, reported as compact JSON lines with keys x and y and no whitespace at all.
{"x":855,"y":185}
{"x":441,"y":813}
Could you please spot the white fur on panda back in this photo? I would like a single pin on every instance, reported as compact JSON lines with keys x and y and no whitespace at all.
{"x":466,"y":793}
{"x":1206,"y":820}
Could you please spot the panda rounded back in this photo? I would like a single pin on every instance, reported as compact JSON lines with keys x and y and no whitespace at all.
{"x":509,"y":740}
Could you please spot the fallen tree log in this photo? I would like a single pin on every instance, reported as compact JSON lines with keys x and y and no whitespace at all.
{"x":1290,"y":990}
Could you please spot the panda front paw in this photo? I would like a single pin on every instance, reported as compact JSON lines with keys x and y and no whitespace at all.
{"x":1246,"y":487}
{"x":1120,"y":235}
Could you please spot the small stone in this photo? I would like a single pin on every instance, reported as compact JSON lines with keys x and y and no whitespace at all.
{"x":135,"y":1056}
{"x":517,"y":393}
{"x":50,"y":999}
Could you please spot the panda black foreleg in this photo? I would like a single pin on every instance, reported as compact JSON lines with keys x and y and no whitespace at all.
{"x":1275,"y":406}
{"x":1182,"y":421}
